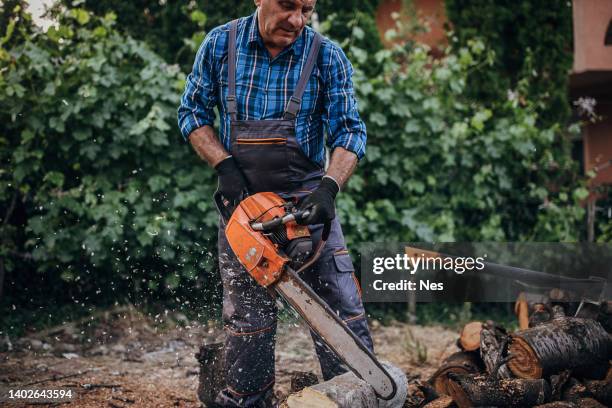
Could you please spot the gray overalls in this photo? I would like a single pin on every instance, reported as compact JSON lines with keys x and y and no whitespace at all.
{"x":268,"y":153}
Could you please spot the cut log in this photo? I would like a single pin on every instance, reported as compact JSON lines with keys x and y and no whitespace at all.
{"x":531,"y":309}
{"x":605,"y":317}
{"x":558,"y":383}
{"x":212,"y":372}
{"x":539,"y":315}
{"x":301,"y":380}
{"x":558,"y":404}
{"x":592,"y":372}
{"x":469,"y":391}
{"x":442,"y":402}
{"x":425,"y":391}
{"x":494,"y":342}
{"x":562,"y":343}
{"x":469,"y":339}
{"x":461,"y":362}
{"x":521,"y":310}
{"x":590,"y":403}
{"x":574,"y":390}
{"x":348,"y":391}
{"x":600,"y":390}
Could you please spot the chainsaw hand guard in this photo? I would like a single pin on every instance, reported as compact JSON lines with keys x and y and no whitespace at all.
{"x":265,"y":238}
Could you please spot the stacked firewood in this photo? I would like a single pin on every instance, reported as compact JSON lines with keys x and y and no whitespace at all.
{"x":552,"y":361}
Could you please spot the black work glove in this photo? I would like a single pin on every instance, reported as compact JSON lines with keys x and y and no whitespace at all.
{"x":320,"y":203}
{"x":232,"y":184}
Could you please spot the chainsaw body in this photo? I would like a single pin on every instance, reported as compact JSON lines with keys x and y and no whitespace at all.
{"x":265,"y":238}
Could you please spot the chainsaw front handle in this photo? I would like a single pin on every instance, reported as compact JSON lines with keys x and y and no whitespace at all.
{"x":273,"y":223}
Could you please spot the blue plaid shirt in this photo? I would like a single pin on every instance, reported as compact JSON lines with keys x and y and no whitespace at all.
{"x":264,"y":86}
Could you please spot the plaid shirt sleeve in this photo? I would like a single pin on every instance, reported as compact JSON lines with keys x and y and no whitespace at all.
{"x":345,"y":128}
{"x":200,"y":95}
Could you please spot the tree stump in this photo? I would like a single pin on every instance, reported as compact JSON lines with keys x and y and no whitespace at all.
{"x":460,"y":362}
{"x":212,"y":372}
{"x":469,"y":391}
{"x":559,"y":344}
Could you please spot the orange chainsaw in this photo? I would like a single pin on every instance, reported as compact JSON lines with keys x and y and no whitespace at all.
{"x":265,"y":237}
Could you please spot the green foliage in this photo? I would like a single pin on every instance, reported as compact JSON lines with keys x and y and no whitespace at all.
{"x":529,"y":40}
{"x":173,"y":28}
{"x":12,"y":12}
{"x":444,"y":166}
{"x":353,"y":21}
{"x":101,"y":198}
{"x":105,"y":195}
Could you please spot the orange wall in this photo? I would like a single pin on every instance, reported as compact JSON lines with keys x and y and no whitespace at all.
{"x":431,"y":12}
{"x":591,"y":19}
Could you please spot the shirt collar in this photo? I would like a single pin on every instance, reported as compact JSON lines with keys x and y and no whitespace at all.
{"x":296,"y":47}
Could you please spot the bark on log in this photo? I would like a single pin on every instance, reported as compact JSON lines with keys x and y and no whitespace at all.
{"x":539,"y":315}
{"x":574,"y":390}
{"x":590,"y":403}
{"x":494,"y":341}
{"x":558,"y":384}
{"x":442,"y":402}
{"x":348,"y":391}
{"x":605,"y":317}
{"x":559,"y":344}
{"x":469,"y":339}
{"x":600,"y":390}
{"x":469,"y":391}
{"x":424,"y":390}
{"x":460,"y":362}
{"x":558,"y":404}
{"x":212,"y":372}
{"x":592,"y":372}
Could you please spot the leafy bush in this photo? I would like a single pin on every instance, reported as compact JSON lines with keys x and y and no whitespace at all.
{"x":529,"y":40}
{"x":98,"y":189}
{"x":99,"y":192}
{"x":444,"y":166}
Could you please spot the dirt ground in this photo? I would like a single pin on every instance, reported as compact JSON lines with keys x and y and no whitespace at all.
{"x":121,"y":358}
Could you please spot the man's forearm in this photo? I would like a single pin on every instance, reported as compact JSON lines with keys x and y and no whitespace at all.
{"x":207,"y":145}
{"x":342,"y":165}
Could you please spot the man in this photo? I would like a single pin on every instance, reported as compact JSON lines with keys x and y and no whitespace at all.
{"x":276,"y":83}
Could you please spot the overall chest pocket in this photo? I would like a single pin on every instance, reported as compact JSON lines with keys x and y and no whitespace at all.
{"x":260,"y":148}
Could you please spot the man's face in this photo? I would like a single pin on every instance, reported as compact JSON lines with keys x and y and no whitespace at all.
{"x":281,"y":21}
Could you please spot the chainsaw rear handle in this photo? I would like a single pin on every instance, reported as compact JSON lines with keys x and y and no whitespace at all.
{"x":223,"y":206}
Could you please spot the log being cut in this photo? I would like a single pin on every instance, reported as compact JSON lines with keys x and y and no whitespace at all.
{"x":348,"y":391}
